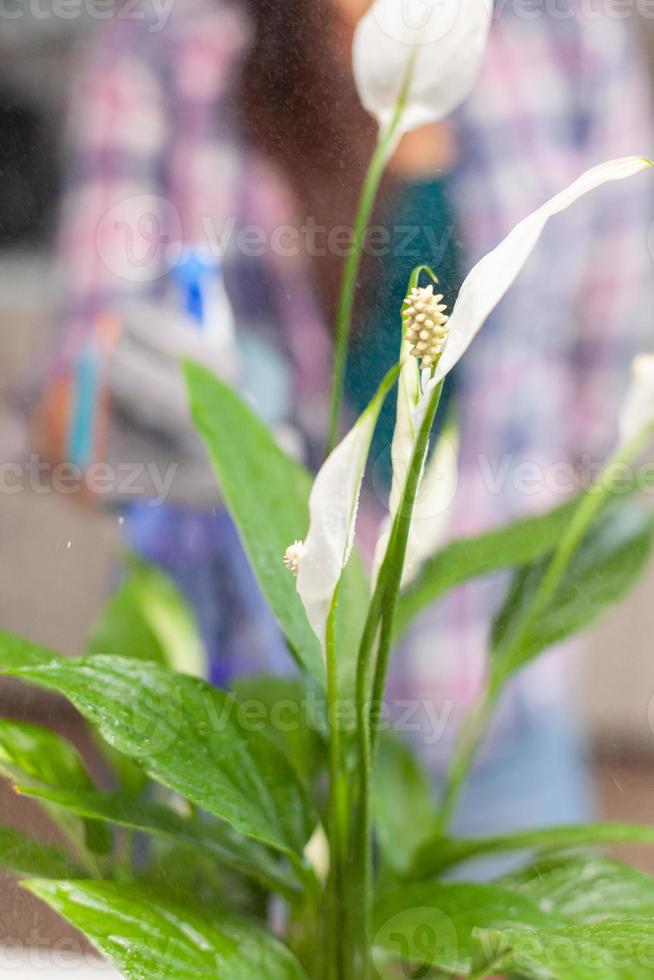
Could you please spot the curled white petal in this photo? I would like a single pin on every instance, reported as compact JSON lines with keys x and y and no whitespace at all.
{"x":443,"y":40}
{"x":333,"y":507}
{"x":495,"y":273}
{"x":432,"y":510}
{"x":638,"y":407}
{"x":433,"y":505}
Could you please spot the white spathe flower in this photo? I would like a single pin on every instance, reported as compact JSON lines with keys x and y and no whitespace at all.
{"x":495,"y":273}
{"x":432,"y":512}
{"x":440,"y":42}
{"x":438,"y":483}
{"x":638,"y":407}
{"x":333,"y":507}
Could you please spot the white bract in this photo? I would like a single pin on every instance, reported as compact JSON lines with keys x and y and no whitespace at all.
{"x":333,"y":507}
{"x":495,"y":273}
{"x":432,"y":510}
{"x":433,"y":47}
{"x":638,"y":408}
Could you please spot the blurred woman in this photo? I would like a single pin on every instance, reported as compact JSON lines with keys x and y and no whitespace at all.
{"x":239,"y":123}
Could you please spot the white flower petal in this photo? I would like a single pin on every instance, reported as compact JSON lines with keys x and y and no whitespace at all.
{"x":433,"y":505}
{"x":404,"y":440}
{"x":638,"y":407}
{"x":495,"y":273}
{"x":333,"y":506}
{"x":447,"y":39}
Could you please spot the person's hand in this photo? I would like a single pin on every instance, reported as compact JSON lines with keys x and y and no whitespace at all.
{"x":425,"y":152}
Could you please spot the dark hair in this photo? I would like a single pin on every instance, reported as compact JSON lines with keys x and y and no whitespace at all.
{"x":299,"y":105}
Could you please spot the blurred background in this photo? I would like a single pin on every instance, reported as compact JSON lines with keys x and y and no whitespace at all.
{"x":56,"y":559}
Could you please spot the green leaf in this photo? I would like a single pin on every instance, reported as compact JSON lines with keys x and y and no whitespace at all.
{"x":190,"y":737}
{"x":441,"y":853}
{"x":432,"y":925}
{"x":146,"y":935}
{"x":25,"y":856}
{"x":459,"y":561}
{"x":589,"y":889}
{"x":620,"y":949}
{"x":405,"y":810}
{"x":36,"y":757}
{"x":149,"y":619}
{"x":290,"y":713}
{"x":607,"y":564}
{"x":519,"y":543}
{"x":18,"y":652}
{"x":217,"y":839}
{"x":29,"y":752}
{"x":267,"y":495}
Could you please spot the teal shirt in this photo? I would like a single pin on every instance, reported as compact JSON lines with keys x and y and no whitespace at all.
{"x":420,"y":230}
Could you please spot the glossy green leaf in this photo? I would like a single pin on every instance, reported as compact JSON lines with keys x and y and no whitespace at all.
{"x":615,"y":949}
{"x":29,"y":752}
{"x":441,"y":853}
{"x":607,"y":564}
{"x":36,"y":757}
{"x":215,"y":838}
{"x":432,"y":925}
{"x":405,"y":810}
{"x":589,"y":889}
{"x":26,"y":857}
{"x":146,"y":935}
{"x":293,"y":714}
{"x":267,"y":495}
{"x":149,"y":619}
{"x":190,"y":737}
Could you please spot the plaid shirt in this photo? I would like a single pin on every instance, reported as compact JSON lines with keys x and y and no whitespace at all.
{"x":541,"y":384}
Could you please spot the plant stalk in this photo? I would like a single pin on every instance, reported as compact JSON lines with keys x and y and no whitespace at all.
{"x":338,"y":814}
{"x":383,"y":152}
{"x":371,"y":675}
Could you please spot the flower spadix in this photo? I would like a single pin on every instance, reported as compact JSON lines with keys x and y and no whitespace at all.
{"x":637,"y":412}
{"x":333,"y":507}
{"x":495,"y":273}
{"x":424,"y":52}
{"x":425,"y":324}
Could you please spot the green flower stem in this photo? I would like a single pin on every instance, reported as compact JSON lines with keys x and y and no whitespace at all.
{"x":371,"y":675}
{"x":475,"y":724}
{"x":338,"y":814}
{"x":396,"y":553}
{"x":383,"y":152}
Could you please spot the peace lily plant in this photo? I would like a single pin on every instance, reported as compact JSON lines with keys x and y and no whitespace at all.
{"x":280,"y":831}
